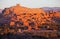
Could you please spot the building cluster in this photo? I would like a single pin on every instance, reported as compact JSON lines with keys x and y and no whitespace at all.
{"x":21,"y":19}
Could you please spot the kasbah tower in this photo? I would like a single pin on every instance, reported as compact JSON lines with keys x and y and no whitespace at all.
{"x":31,"y":17}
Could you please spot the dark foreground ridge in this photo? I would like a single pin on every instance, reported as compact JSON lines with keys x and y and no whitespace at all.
{"x":16,"y":36}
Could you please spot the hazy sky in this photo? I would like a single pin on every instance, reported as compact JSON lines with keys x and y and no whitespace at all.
{"x":30,"y":3}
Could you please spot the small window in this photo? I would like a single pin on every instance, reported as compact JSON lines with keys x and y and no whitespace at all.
{"x":25,"y":27}
{"x":33,"y":18}
{"x":41,"y":14}
{"x":21,"y":23}
{"x":31,"y":23}
{"x":24,"y":13}
{"x":35,"y":14}
{"x":33,"y":28}
{"x":28,"y":20}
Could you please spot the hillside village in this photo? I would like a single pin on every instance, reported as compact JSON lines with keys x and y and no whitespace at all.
{"x":22,"y":20}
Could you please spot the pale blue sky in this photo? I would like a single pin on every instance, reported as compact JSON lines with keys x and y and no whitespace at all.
{"x":30,"y":3}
